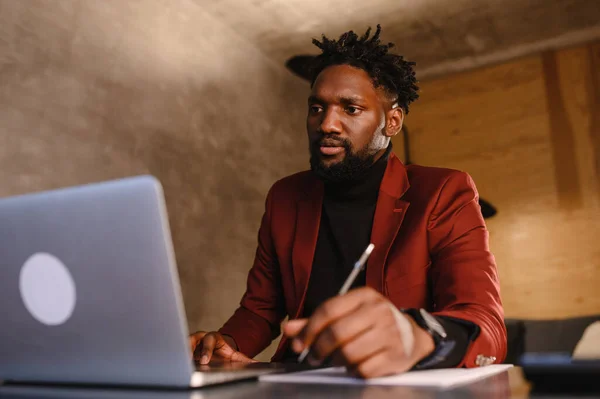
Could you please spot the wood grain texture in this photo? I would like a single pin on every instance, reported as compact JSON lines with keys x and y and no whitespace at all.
{"x":593,"y":86}
{"x":495,"y":124}
{"x":561,"y":134}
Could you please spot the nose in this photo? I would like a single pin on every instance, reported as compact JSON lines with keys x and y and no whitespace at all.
{"x":331,"y":123}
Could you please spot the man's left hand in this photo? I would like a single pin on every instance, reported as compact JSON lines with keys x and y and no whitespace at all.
{"x":361,"y":330}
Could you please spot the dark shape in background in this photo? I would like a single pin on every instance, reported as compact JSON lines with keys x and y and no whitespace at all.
{"x":300,"y":66}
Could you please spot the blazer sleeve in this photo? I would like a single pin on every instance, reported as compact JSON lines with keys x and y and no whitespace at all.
{"x":256,"y":322}
{"x":463,"y":273}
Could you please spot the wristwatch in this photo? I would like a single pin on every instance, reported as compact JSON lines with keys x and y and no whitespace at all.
{"x":443,"y":345}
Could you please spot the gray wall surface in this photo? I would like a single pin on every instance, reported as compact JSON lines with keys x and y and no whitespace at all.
{"x":94,"y":90}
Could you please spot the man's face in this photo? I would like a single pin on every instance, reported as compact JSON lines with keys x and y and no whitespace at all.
{"x":345,"y":123}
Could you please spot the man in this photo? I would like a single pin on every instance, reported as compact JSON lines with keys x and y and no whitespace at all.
{"x":430,"y":294}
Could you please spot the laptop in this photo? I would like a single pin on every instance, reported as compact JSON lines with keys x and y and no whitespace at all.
{"x":90,"y":294}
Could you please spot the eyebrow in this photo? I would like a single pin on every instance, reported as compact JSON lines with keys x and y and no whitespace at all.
{"x":342,"y":99}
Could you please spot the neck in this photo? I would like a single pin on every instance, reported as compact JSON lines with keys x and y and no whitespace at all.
{"x":363,"y":188}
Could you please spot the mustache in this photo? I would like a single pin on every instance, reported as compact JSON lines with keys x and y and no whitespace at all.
{"x":331,"y":141}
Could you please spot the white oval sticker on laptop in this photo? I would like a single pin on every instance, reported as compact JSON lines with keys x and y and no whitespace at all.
{"x":47,"y":289}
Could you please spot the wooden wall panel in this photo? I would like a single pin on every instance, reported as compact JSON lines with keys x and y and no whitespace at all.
{"x":566,"y":174}
{"x":500,"y":125}
{"x":593,"y":87}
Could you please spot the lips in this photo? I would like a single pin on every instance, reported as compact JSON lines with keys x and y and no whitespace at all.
{"x":329,"y":146}
{"x":329,"y":150}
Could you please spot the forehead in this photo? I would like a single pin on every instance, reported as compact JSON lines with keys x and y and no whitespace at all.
{"x":344,"y":81}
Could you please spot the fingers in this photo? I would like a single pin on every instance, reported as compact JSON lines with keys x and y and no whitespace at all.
{"x":358,"y":329}
{"x":379,"y":365}
{"x":334,"y":309}
{"x":360,"y":334}
{"x":240,"y":357}
{"x":213,"y":344}
{"x":208,"y":346}
{"x":292,"y":329}
{"x":364,"y":346}
{"x":195,"y":340}
{"x":344,"y":330}
{"x":193,"y":344}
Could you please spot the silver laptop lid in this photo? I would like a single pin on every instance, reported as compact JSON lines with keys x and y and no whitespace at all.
{"x":89,"y":291}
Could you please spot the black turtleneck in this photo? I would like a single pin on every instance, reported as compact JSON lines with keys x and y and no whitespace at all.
{"x":344,"y":233}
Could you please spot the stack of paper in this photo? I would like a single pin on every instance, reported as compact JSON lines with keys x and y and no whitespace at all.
{"x":440,"y":378}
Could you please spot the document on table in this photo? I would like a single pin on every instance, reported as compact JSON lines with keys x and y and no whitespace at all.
{"x":439,"y":378}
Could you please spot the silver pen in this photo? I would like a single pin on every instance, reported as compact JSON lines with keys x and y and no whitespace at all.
{"x":358,"y":266}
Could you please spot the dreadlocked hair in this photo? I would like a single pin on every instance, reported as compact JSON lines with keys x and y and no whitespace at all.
{"x":390,"y":71}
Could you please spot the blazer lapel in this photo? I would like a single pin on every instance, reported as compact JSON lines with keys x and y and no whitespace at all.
{"x":308,"y":220}
{"x":389,"y":214}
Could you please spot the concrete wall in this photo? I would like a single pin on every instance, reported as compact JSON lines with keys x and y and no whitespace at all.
{"x":94,"y":90}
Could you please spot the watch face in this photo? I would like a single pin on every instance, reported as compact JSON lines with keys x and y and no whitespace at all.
{"x":433,"y":323}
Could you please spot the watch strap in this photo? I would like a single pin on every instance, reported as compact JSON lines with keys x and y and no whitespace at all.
{"x":443,"y":345}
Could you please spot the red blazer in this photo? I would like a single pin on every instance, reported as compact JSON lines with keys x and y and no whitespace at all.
{"x":431,"y":251}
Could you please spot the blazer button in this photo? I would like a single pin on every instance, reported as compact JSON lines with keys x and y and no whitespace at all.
{"x":482,"y":360}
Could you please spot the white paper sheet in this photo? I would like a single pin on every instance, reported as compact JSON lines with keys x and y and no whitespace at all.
{"x":440,"y":378}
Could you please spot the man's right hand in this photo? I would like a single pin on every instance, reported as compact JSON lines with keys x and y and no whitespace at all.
{"x":207,"y":346}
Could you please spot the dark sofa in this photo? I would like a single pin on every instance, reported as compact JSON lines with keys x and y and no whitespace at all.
{"x":559,"y":335}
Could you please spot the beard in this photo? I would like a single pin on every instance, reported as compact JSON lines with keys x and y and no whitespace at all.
{"x":353,"y":166}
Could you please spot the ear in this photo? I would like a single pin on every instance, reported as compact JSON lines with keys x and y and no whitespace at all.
{"x":394,"y":121}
